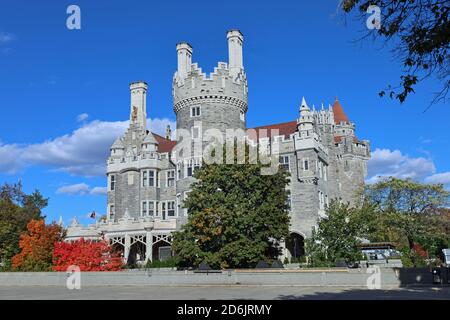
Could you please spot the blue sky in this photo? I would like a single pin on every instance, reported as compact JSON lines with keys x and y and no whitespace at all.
{"x":64,"y":93}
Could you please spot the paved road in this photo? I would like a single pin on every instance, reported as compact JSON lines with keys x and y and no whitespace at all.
{"x":220,"y":292}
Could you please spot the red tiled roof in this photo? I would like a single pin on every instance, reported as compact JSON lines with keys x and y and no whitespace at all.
{"x":284,"y":129}
{"x":164,"y":145}
{"x":339,"y":114}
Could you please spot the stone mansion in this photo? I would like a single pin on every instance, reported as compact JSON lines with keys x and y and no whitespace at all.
{"x":148,"y":181}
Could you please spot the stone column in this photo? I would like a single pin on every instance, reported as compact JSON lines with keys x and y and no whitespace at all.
{"x":126,"y":250}
{"x":149,"y":246}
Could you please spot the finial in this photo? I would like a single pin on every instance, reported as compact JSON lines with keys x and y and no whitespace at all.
{"x":304,"y":105}
{"x":322,"y":107}
{"x":74,"y":221}
{"x":303,"y":101}
{"x":60,"y":222}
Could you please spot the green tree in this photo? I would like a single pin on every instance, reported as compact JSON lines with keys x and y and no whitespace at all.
{"x":419,"y":32}
{"x":237,"y":217}
{"x":409,"y":212}
{"x":338,"y":235}
{"x":17,"y":209}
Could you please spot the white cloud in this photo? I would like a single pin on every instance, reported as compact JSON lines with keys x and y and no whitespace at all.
{"x":82,"y":152}
{"x":82,"y":117}
{"x":385,"y":163}
{"x":99,"y":191}
{"x":81,"y":189}
{"x":10,"y":158}
{"x":443,"y":178}
{"x":6,"y":37}
{"x":159,"y":126}
{"x":74,"y":189}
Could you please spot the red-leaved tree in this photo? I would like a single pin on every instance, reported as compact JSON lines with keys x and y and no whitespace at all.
{"x":88,"y":255}
{"x":36,"y":246}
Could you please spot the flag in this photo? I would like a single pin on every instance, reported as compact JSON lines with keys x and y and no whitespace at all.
{"x":93,"y":215}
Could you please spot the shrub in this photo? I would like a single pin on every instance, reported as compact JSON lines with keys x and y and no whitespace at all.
{"x":88,"y":255}
{"x":169,"y":263}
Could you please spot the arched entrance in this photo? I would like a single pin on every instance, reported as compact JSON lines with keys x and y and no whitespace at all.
{"x":137,"y":250}
{"x":162,"y":247}
{"x":296,"y":245}
{"x":118,"y":245}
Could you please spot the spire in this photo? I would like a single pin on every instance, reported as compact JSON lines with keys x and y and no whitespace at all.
{"x":339,"y":114}
{"x":304,"y":105}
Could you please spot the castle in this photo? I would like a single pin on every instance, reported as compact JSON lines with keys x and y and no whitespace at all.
{"x":148,"y":179}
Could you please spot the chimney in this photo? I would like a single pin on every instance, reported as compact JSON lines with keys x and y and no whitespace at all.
{"x":184,"y":53}
{"x":138,"y":112}
{"x":235,"y":59}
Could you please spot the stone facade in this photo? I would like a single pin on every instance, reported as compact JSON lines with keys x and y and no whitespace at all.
{"x":148,"y":177}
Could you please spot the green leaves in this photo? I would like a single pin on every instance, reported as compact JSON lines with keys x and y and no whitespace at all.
{"x":237,"y":217}
{"x":419,"y":31}
{"x":17,"y":209}
{"x":337,"y":236}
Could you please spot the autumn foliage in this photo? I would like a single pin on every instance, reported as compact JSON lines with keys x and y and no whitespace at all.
{"x":420,"y":250}
{"x":36,"y":245}
{"x":88,"y":255}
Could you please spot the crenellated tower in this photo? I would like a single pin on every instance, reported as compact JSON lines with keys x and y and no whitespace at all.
{"x":218,"y":101}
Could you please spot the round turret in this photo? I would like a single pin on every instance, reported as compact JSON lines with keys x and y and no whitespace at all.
{"x":215,"y":102}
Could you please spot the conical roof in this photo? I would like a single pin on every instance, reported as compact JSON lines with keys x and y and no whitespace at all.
{"x":339,"y":114}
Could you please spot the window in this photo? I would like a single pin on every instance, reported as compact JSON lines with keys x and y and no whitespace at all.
{"x":284,"y":162}
{"x":305,"y":164}
{"x":112,"y":186}
{"x":195,"y":132}
{"x":157,"y":208}
{"x":189,"y":168}
{"x":144,"y":208}
{"x":170,"y":178}
{"x":196,"y":163}
{"x":157,"y":179}
{"x":289,"y":200}
{"x":151,"y":178}
{"x":151,"y":208}
{"x":164,"y":211}
{"x":321,"y":200}
{"x":242,"y":115}
{"x":145,"y":178}
{"x":195,"y":111}
{"x":111,"y":212}
{"x":171,"y":208}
